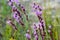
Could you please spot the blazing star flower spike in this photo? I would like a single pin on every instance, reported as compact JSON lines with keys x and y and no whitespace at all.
{"x":40,"y":27}
{"x":17,"y":1}
{"x":24,"y":10}
{"x":12,"y":24}
{"x":16,"y":14}
{"x":16,"y":11}
{"x":18,"y":19}
{"x":36,"y":35}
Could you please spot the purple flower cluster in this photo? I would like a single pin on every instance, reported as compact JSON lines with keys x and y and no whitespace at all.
{"x":12,"y":24}
{"x":39,"y":27}
{"x":10,"y":3}
{"x":38,"y":11}
{"x":17,"y":17}
{"x":23,"y":9}
{"x":16,"y":14}
{"x":35,"y":32}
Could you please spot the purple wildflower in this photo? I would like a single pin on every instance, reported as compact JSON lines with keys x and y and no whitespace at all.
{"x":28,"y":35}
{"x":18,"y":19}
{"x":23,"y":9}
{"x":34,"y":5}
{"x":43,"y":24}
{"x":36,"y":35}
{"x":37,"y":7}
{"x":38,"y":10}
{"x":40,"y":27}
{"x":35,"y":32}
{"x":14,"y":8}
{"x":42,"y":32}
{"x":35,"y":27}
{"x":12,"y":24}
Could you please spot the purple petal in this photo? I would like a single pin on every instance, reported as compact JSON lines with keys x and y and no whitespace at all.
{"x":28,"y":35}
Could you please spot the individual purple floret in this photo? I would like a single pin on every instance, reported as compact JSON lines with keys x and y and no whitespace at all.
{"x":10,"y":3}
{"x":35,"y":27}
{"x":38,"y":12}
{"x":42,"y":24}
{"x":16,"y":17}
{"x":28,"y":36}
